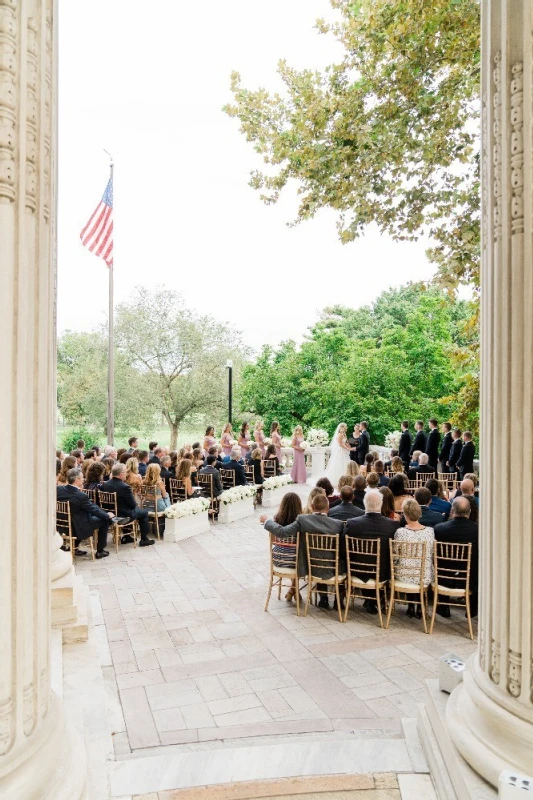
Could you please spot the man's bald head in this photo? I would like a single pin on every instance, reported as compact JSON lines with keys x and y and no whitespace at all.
{"x":461,"y":507}
{"x":467,"y":486}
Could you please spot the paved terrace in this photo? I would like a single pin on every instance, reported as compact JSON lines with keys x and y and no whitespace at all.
{"x":202,"y":686}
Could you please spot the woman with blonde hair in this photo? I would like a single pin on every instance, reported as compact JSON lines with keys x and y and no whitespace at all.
{"x":345,"y":480}
{"x":133,"y":478}
{"x":312,"y":494}
{"x":259,"y":436}
{"x":275,"y":435}
{"x":339,"y":454}
{"x":352,"y":469}
{"x":226,"y":439}
{"x":183,"y":473}
{"x":372,"y":481}
{"x":396,"y":465}
{"x":413,"y":531}
{"x":298,"y":471}
{"x":69,"y":462}
{"x":154,"y":482}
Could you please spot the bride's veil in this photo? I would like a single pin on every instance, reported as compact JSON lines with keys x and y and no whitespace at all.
{"x":334,"y":445}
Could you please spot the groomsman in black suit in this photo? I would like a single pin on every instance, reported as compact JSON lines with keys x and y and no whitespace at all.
{"x":455,"y":451}
{"x":446,"y":446}
{"x":432,"y":443}
{"x":420,"y":438}
{"x":364,"y":443}
{"x":465,"y":463}
{"x":406,"y":440}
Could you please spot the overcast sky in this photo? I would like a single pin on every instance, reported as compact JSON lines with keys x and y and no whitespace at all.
{"x":147,"y":82}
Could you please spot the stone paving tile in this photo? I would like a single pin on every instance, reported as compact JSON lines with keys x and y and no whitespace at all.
{"x":191,"y":657}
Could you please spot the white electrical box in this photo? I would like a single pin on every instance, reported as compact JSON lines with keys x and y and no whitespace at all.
{"x":512,"y":785}
{"x":451,"y":671}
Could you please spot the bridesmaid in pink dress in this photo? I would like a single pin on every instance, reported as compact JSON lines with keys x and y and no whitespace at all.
{"x":298,"y":471}
{"x":259,"y":437}
{"x":275,"y":435}
{"x":244,"y":440}
{"x":225,"y":439}
{"x":209,"y":440}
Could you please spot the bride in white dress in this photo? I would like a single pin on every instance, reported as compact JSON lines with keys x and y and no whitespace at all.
{"x":339,"y":457}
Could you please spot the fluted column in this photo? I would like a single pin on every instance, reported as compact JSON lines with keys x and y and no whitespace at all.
{"x":491,"y":716}
{"x":39,"y":756}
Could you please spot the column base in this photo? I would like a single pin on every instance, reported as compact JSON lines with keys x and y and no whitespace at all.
{"x":50,"y":765}
{"x":491,"y":738}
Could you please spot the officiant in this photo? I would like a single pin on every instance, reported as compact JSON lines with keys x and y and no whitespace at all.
{"x":353,"y":441}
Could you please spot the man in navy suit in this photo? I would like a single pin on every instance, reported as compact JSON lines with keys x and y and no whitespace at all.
{"x":235,"y":465}
{"x":432,"y":443}
{"x":126,"y":505}
{"x":86,"y":517}
{"x":364,"y":443}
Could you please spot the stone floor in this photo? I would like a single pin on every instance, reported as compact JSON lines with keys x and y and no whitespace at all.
{"x":192,"y":663}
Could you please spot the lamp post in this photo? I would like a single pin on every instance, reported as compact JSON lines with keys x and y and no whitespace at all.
{"x":229,"y":367}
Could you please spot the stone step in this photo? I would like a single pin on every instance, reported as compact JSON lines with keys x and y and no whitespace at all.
{"x":63,"y":590}
{"x":77,"y":629}
{"x":231,"y":765}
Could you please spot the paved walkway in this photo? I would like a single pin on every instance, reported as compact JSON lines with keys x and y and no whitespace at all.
{"x":191,"y":661}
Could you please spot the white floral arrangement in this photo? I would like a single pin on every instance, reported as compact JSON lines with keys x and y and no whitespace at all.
{"x":235,"y":494}
{"x":187,"y":508}
{"x":304,"y":445}
{"x":318,"y":437}
{"x":276,"y":482}
{"x":286,"y":442}
{"x":267,"y":441}
{"x":233,"y":442}
{"x":392,"y":440}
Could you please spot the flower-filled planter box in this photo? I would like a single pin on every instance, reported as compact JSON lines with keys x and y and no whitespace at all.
{"x":274,"y":489}
{"x":236,"y":503}
{"x":187,"y":519}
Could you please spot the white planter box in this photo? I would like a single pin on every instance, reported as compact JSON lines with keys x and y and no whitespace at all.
{"x":235,"y":511}
{"x":272,"y":497}
{"x":184,"y":528}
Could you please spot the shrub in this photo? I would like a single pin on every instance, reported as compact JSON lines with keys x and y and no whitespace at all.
{"x":70,"y":438}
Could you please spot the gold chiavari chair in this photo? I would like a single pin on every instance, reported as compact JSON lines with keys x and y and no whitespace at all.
{"x":284,"y":566}
{"x":408,"y":561}
{"x":64,"y":528}
{"x":269,"y":467}
{"x":363,"y":558}
{"x":422,"y":477}
{"x":149,"y":498}
{"x":92,"y":495}
{"x":323,"y":554}
{"x":108,"y":502}
{"x":177,"y":490}
{"x":228,"y":478}
{"x":452,"y":563}
{"x":206,"y":484}
{"x":250,"y":476}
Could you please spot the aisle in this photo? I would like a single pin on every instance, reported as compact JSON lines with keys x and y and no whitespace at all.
{"x":192,"y":663}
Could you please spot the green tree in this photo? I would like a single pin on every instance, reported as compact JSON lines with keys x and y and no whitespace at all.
{"x":180,"y":354}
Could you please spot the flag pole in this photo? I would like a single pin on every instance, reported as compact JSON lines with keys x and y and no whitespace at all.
{"x":111,"y":346}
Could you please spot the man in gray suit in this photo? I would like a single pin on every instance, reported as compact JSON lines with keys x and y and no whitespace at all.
{"x":345,"y":509}
{"x":317,"y":522}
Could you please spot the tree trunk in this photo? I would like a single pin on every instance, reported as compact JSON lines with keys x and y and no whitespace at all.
{"x":174,"y":428}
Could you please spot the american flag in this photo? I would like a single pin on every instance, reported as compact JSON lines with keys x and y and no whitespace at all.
{"x":97,"y":235}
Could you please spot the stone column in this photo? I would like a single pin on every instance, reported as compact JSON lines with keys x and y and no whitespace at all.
{"x":39,"y":755}
{"x":490,"y":717}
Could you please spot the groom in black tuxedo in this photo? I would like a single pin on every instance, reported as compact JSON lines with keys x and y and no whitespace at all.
{"x":364,"y":443}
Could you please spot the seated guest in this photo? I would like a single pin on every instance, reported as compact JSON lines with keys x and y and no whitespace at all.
{"x":414,"y":531}
{"x":378,"y":468}
{"x":154,"y":483}
{"x":108,"y":463}
{"x":366,"y":468}
{"x":173,"y":463}
{"x":69,"y":462}
{"x":95,"y":476}
{"x":317,"y":522}
{"x":308,"y":509}
{"x":271,"y":456}
{"x":373,"y":525}
{"x":58,"y":468}
{"x":97,"y":452}
{"x":110,"y":452}
{"x":345,"y":480}
{"x":235,"y":465}
{"x":215,"y":451}
{"x":165,"y":472}
{"x":155,"y":458}
{"x":133,"y":443}
{"x":257,"y":463}
{"x":133,"y":479}
{"x":398,"y":487}
{"x":126,"y":505}
{"x":90,"y":454}
{"x":372,"y":481}
{"x":197,"y":458}
{"x":393,"y":454}
{"x":414,"y":459}
{"x":345,"y":509}
{"x":438,"y":502}
{"x":120,"y":452}
{"x":387,"y":509}
{"x":466,"y":490}
{"x":325,"y":483}
{"x":359,"y":489}
{"x":143,"y":463}
{"x":78,"y":455}
{"x":283,"y":552}
{"x":86,"y":517}
{"x":429,"y":517}
{"x":85,"y":466}
{"x":396,"y":465}
{"x":461,"y":530}
{"x":124,"y":457}
{"x":352,"y":469}
{"x":210,"y":469}
{"x":422,"y":469}
{"x":470,"y":476}
{"x":183,"y":473}
{"x":135,"y":454}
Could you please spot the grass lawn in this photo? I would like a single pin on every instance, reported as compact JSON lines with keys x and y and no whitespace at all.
{"x":161,"y":435}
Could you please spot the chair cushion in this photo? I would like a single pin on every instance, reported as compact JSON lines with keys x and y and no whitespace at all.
{"x":328,"y":581}
{"x":369,"y":584}
{"x":447,"y":590}
{"x":121,"y":520}
{"x":284,"y":571}
{"x":400,"y":586}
